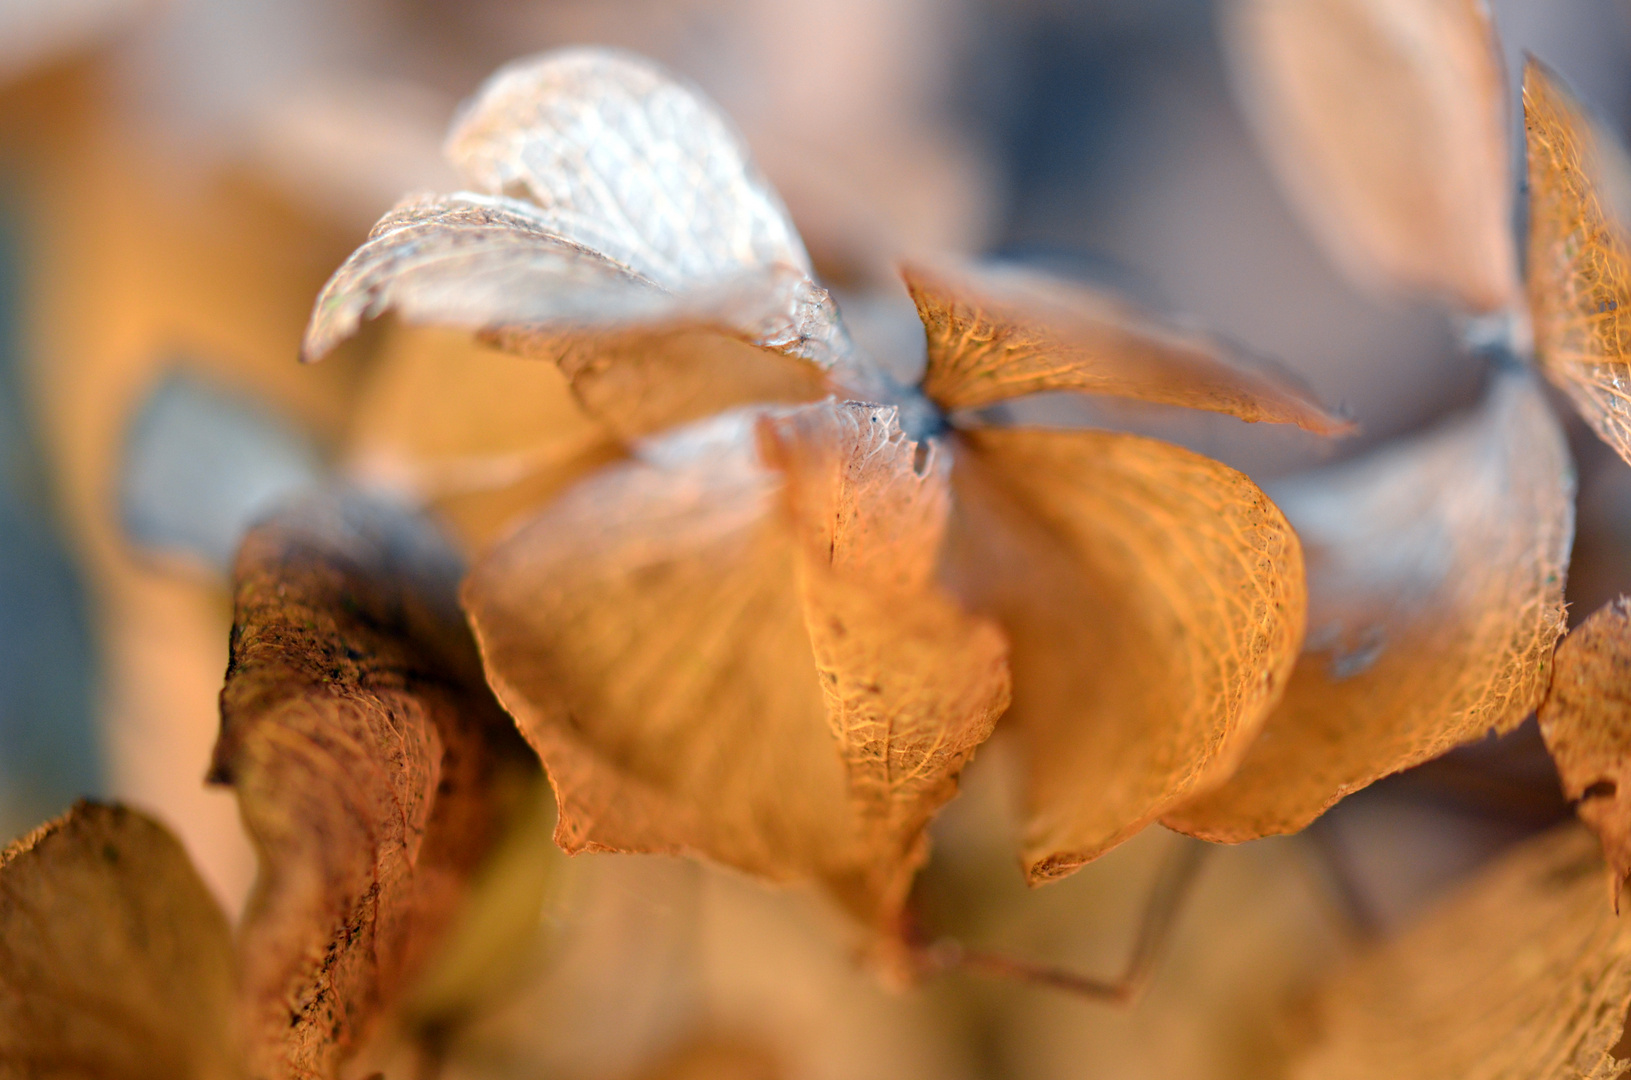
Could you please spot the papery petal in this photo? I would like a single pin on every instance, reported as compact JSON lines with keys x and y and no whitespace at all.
{"x":373,"y":770}
{"x":1435,"y":597}
{"x":1579,"y":259}
{"x":1386,"y":121}
{"x":625,"y":235}
{"x":1154,"y":600}
{"x":715,"y":658}
{"x":1586,"y":722}
{"x":1000,"y":333}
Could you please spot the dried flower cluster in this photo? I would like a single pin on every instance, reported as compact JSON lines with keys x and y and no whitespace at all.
{"x":786,"y":596}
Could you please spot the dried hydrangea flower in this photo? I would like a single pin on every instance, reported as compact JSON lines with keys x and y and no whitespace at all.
{"x":774,"y":634}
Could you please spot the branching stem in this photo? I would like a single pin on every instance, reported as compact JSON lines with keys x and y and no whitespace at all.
{"x":1166,"y":901}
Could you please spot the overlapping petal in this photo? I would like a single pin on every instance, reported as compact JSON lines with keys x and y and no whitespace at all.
{"x":624,"y":234}
{"x":732,"y":646}
{"x":1436,"y":573}
{"x":1154,"y":602}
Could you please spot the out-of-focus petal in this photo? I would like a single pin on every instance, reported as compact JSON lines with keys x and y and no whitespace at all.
{"x":117,"y":961}
{"x":484,"y":437}
{"x":1527,"y":973}
{"x":1386,"y":123}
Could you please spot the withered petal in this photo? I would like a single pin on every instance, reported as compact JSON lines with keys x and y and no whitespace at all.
{"x":115,"y":960}
{"x":744,"y":658}
{"x":1000,"y":333}
{"x":373,"y":769}
{"x":1586,"y":722}
{"x":639,"y":357}
{"x":1525,"y":973}
{"x":1154,"y":602}
{"x":1435,"y":577}
{"x":629,"y":160}
{"x":1579,"y":259}
{"x":1386,"y":123}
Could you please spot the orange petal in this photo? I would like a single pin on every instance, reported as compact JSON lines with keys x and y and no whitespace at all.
{"x":996,"y":334}
{"x":714,"y":660}
{"x":1586,"y":722}
{"x":118,"y":962}
{"x":913,"y":684}
{"x":1435,"y":574}
{"x":1526,"y":973}
{"x":1579,"y":261}
{"x":1385,"y":121}
{"x":373,"y":770}
{"x":1154,"y":601}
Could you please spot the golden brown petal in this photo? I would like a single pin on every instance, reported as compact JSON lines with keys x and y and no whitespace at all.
{"x":1586,"y":722}
{"x":1579,"y":262}
{"x":115,"y":961}
{"x":373,"y":770}
{"x":1385,"y":121}
{"x":1435,"y":572}
{"x":913,"y":684}
{"x":1525,"y":974}
{"x":999,"y":333}
{"x":1154,"y":601}
{"x":711,"y":659}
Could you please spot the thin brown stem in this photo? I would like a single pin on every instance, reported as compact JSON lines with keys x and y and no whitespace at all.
{"x":1166,"y":901}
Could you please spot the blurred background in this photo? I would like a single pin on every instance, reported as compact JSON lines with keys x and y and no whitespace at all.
{"x":178,"y":178}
